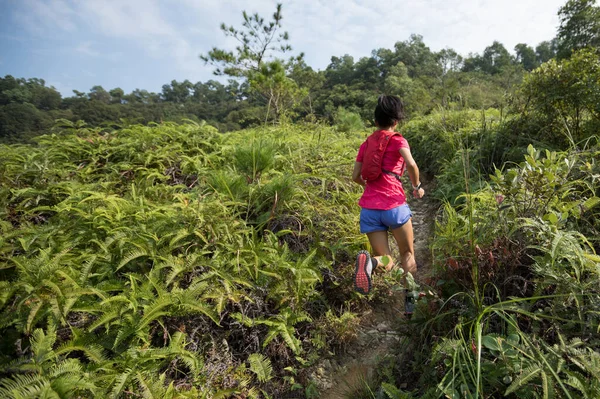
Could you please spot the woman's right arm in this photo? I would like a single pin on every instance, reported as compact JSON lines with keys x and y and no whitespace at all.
{"x":356,"y":177}
{"x":413,"y":172}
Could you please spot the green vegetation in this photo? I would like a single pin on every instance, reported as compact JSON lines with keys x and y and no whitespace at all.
{"x":166,"y":259}
{"x":174,"y":259}
{"x":514,"y":295}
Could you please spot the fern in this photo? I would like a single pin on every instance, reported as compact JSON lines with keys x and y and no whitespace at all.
{"x":120,"y":382}
{"x":283,"y":326}
{"x":45,"y":374}
{"x":394,"y":393}
{"x":86,"y":345}
{"x":261,"y":367}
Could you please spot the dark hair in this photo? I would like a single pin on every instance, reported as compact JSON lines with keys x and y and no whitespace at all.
{"x":389,"y":110}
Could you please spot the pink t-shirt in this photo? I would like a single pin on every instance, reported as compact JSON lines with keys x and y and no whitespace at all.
{"x":385,"y":192}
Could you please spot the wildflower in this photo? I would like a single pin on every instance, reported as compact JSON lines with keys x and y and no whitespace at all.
{"x":499,"y":198}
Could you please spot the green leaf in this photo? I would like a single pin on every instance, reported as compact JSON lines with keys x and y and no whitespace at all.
{"x":527,"y":375}
{"x":260,"y":365}
{"x":551,"y":217}
{"x":513,"y":339}
{"x":490,"y":342}
{"x":591,"y":202}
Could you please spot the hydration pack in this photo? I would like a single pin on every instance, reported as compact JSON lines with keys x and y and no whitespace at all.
{"x":373,"y":159}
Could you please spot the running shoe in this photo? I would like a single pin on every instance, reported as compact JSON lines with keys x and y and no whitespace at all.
{"x":410,"y":302}
{"x":362,"y":272}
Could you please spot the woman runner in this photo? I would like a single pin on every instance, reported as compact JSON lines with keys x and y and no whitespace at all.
{"x":383,"y":202}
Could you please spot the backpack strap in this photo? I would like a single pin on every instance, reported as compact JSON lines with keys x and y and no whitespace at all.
{"x":388,"y":172}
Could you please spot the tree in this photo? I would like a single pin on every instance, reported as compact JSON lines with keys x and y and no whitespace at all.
{"x":258,"y":40}
{"x":546,"y":50}
{"x":20,"y":120}
{"x":495,"y":57}
{"x":33,"y":91}
{"x":177,"y":92}
{"x":116,"y":95}
{"x":142,"y":97}
{"x":367,"y":71}
{"x":567,"y":94}
{"x":397,"y":82}
{"x":280,"y":92}
{"x":417,"y":57}
{"x":526,"y":56}
{"x":98,"y":93}
{"x":579,"y":26}
{"x":472,"y":63}
{"x":340,"y":70}
{"x":449,"y":63}
{"x":306,"y":77}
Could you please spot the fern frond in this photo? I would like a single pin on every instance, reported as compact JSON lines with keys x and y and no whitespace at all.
{"x":42,"y":344}
{"x":94,"y":352}
{"x":23,"y":386}
{"x":131,"y":256}
{"x":120,"y":383}
{"x":394,"y":393}
{"x":68,"y":366}
{"x":154,"y":311}
{"x":261,"y":366}
{"x":526,"y":375}
{"x":33,"y":311}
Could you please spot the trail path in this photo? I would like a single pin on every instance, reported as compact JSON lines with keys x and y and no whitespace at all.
{"x":377,"y":334}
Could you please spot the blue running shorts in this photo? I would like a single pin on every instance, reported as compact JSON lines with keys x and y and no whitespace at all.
{"x":372,"y":220}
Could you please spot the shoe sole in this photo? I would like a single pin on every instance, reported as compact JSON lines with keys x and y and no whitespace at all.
{"x":362,"y":280}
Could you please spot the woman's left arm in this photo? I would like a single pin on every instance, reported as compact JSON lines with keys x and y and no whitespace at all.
{"x":413,"y":172}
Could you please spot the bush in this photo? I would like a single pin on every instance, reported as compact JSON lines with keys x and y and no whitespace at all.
{"x":518,"y":264}
{"x":346,"y":121}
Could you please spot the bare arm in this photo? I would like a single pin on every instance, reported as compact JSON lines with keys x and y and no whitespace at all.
{"x":413,"y":171}
{"x":356,"y":174}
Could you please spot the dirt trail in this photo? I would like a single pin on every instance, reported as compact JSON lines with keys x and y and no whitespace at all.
{"x":377,"y":334}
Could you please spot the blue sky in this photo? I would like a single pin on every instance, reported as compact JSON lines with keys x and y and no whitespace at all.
{"x":76,"y":44}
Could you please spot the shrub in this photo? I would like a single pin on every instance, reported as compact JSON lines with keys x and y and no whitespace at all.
{"x":347,"y":121}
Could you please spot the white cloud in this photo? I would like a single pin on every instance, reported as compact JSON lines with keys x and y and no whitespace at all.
{"x":334,"y":27}
{"x":86,"y":48}
{"x":138,"y":22}
{"x":141,"y":22}
{"x":37,"y":16}
{"x":180,"y":30}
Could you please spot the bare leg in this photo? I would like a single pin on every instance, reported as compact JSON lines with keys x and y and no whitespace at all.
{"x":404,"y":238}
{"x":380,"y":246}
{"x":379,"y":243}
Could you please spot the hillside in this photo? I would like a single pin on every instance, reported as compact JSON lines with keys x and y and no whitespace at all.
{"x":174,"y":255}
{"x":174,"y":261}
